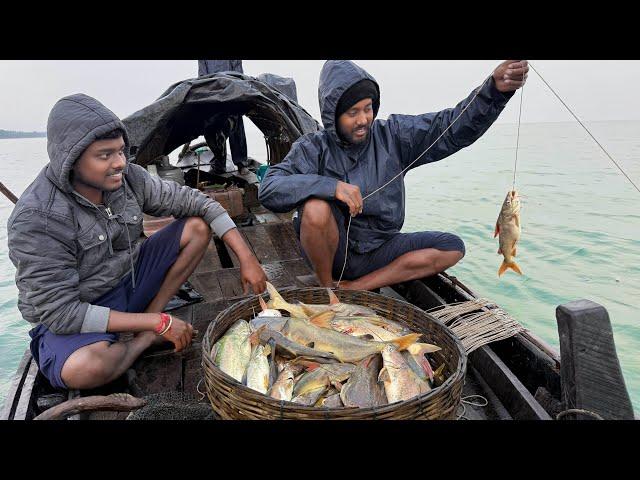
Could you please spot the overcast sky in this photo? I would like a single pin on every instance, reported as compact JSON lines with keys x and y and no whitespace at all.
{"x":596,"y":90}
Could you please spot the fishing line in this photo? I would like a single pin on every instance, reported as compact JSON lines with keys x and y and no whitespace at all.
{"x":346,"y":250}
{"x":515,"y":166}
{"x":583,"y":126}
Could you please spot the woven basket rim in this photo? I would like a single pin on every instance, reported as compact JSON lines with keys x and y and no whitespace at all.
{"x":287,"y":405}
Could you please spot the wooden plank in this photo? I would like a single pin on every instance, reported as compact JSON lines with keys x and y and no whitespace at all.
{"x":22,"y":409}
{"x":278,"y":275}
{"x":591,"y":375}
{"x":233,"y":256}
{"x":208,"y":285}
{"x":297,"y":267}
{"x":531,"y":365}
{"x":260,"y":243}
{"x":511,"y":392}
{"x":494,"y":405}
{"x":16,"y":384}
{"x":211,"y":261}
{"x":205,"y":313}
{"x":230,"y":282}
{"x":418,"y":294}
{"x":284,"y":239}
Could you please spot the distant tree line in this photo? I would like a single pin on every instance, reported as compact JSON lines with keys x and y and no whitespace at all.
{"x":12,"y":134}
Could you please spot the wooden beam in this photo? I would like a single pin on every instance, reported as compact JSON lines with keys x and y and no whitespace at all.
{"x":511,"y":392}
{"x":118,"y":402}
{"x":284,"y":239}
{"x":261,"y":243}
{"x":22,"y":409}
{"x":16,"y":384}
{"x":590,"y":371}
{"x":208,"y":285}
{"x":8,"y":193}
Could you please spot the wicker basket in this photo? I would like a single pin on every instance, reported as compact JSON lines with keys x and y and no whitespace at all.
{"x":232,"y":400}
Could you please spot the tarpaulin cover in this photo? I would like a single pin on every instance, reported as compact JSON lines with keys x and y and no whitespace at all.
{"x":179,"y":115}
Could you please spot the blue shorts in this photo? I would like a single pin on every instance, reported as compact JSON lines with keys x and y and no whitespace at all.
{"x":360,"y":264}
{"x":157,"y":254}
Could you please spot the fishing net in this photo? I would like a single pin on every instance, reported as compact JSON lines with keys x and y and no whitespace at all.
{"x":173,"y":406}
{"x":477,"y":322}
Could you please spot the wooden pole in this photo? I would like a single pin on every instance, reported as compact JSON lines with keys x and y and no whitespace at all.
{"x":119,"y":402}
{"x":8,"y":193}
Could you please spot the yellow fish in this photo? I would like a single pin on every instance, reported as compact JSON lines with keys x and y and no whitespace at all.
{"x":508,"y":227}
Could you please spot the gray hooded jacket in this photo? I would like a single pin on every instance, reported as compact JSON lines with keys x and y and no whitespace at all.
{"x":68,"y":251}
{"x":317,"y":161}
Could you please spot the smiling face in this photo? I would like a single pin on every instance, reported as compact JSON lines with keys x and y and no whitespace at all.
{"x":355,"y":123}
{"x":99,"y":168}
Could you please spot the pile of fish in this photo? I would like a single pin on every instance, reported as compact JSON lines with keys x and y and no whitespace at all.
{"x":331,"y":355}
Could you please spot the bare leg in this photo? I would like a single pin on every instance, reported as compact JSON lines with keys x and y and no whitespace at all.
{"x":319,"y":238}
{"x":100,"y":363}
{"x":193,"y":244}
{"x":410,"y":266}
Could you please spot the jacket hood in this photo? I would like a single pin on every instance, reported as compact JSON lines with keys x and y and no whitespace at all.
{"x":336,"y":77}
{"x":75,"y":122}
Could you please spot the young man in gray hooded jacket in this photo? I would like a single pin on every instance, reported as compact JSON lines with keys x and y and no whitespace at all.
{"x":83,"y":271}
{"x":327,"y":174}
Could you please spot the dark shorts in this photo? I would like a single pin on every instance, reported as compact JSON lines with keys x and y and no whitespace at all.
{"x":157,"y":254}
{"x":360,"y":264}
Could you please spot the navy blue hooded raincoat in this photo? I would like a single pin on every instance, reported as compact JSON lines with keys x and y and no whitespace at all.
{"x":317,"y":161}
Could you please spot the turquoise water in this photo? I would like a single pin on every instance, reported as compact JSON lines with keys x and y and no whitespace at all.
{"x":580,"y":226}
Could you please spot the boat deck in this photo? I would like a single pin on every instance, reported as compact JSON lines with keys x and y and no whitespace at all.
{"x":273,"y":240}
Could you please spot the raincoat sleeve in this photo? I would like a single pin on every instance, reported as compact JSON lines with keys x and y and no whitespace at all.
{"x":49,"y":276}
{"x":160,"y":198}
{"x":415,"y":133}
{"x":295,"y":179}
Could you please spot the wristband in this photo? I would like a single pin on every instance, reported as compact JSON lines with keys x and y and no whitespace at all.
{"x":168,"y":326}
{"x":164,"y":320}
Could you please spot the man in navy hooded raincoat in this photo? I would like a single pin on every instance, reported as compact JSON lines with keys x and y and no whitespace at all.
{"x":327,"y":174}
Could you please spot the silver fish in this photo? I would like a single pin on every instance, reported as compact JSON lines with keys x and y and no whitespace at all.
{"x":363,"y":389}
{"x":344,"y":347}
{"x":400,"y":382}
{"x":289,"y":348}
{"x":258,"y":369}
{"x":233,"y":351}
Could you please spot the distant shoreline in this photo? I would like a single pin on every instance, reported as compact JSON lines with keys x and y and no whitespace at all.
{"x":14,"y":134}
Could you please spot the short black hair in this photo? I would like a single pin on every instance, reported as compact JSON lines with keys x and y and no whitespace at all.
{"x":115,"y":133}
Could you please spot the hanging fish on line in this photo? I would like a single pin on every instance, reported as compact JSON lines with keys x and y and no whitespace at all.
{"x":508,"y":229}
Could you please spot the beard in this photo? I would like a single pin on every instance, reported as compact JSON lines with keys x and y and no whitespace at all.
{"x":351,"y":136}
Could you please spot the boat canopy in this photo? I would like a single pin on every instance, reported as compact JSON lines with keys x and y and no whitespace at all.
{"x":178,"y":116}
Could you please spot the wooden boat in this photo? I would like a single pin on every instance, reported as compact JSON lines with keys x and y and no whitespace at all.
{"x":520,"y":377}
